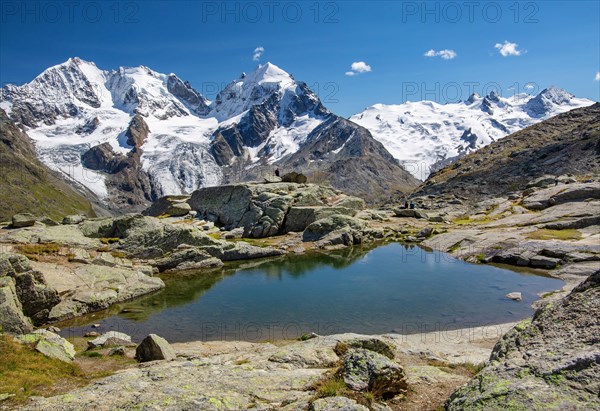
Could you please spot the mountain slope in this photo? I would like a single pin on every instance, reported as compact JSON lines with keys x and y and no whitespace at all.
{"x":132,"y":135}
{"x":27,"y":185}
{"x":568,"y":143}
{"x":341,"y":153}
{"x":425,"y":136}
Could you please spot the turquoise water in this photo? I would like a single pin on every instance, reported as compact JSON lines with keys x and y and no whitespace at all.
{"x":392,"y":288}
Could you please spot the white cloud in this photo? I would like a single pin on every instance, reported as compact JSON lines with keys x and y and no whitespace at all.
{"x":445,"y":54}
{"x":258,"y":52}
{"x":529,"y":86}
{"x":597,"y":76}
{"x":509,"y":49}
{"x":358,"y":67}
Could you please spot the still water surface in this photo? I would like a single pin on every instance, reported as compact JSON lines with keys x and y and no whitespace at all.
{"x":391,"y":288}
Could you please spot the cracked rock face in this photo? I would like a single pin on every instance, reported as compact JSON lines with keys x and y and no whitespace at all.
{"x":552,"y":362}
{"x":368,"y":370}
{"x":35,"y":297}
{"x":265,"y":210}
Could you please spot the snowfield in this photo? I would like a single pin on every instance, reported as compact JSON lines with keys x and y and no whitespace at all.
{"x":425,"y":135}
{"x":176,"y":154}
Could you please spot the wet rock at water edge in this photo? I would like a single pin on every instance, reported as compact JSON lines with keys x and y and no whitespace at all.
{"x":515,"y":296}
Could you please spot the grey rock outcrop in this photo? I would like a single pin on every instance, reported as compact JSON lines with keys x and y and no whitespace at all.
{"x":169,"y":245}
{"x":186,"y":259}
{"x":35,"y":296}
{"x":337,"y":229}
{"x":550,"y":362}
{"x":407,"y":212}
{"x":377,"y":345}
{"x":265,"y":210}
{"x":174,"y":206}
{"x":73,"y":219}
{"x":12,"y":319}
{"x":336,"y":403}
{"x":154,"y":348}
{"x":110,"y":338}
{"x":89,"y":287}
{"x":23,"y":220}
{"x":367,"y":370}
{"x":294,"y":177}
{"x":544,"y":198}
{"x":50,"y":344}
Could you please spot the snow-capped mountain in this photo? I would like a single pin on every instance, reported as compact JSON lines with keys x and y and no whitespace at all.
{"x":425,"y":135}
{"x":132,"y":135}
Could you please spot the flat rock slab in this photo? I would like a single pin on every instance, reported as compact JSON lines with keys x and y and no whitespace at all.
{"x":89,"y":287}
{"x":50,"y":344}
{"x":229,"y":381}
{"x":110,"y":337}
{"x":337,"y":403}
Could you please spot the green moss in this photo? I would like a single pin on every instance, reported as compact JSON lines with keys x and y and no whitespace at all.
{"x":548,"y":294}
{"x":109,"y":240}
{"x":454,"y":247}
{"x":547,"y":234}
{"x":555,"y":379}
{"x":522,"y":325}
{"x":118,"y":254}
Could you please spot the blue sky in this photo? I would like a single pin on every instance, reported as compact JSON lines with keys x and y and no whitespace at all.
{"x":209,"y":43}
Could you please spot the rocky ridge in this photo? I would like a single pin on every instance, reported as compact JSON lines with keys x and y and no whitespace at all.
{"x":29,"y":185}
{"x":550,"y":362}
{"x":568,"y":143}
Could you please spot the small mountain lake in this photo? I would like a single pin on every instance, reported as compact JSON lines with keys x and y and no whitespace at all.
{"x":390,"y":288}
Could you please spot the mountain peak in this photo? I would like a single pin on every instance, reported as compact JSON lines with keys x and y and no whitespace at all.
{"x":473,"y":98}
{"x":548,"y":100}
{"x":268,"y":73}
{"x":556,"y":94}
{"x":70,"y":64}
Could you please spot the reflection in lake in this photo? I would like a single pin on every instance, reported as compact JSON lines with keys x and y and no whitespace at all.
{"x":391,"y":288}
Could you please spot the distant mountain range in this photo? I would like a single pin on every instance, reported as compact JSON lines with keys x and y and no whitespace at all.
{"x":424,"y":135}
{"x":567,"y":144}
{"x":132,"y":135}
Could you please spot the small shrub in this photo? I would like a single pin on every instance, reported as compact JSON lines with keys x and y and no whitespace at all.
{"x":341,"y":348}
{"x":109,"y":240}
{"x":118,"y":254}
{"x":331,"y":387}
{"x":34,"y":251}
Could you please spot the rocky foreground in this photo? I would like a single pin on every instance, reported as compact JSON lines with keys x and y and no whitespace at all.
{"x":551,"y":362}
{"x":52,"y":271}
{"x":347,"y":371}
